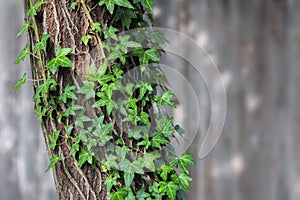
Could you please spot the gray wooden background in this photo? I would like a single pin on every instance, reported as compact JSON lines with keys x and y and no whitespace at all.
{"x":256,"y":45}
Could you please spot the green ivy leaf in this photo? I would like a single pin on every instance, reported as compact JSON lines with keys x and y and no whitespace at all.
{"x":23,"y":29}
{"x":118,"y":195}
{"x":148,"y":4}
{"x":63,"y":51}
{"x":128,"y":178}
{"x":40,"y":113}
{"x":159,"y":140}
{"x":110,"y":182}
{"x":126,"y":17}
{"x":111,"y":33}
{"x":53,"y":139}
{"x":151,"y":54}
{"x":114,"y":55}
{"x":124,"y":3}
{"x":165,"y":127}
{"x":75,"y":146}
{"x":41,"y":45}
{"x":170,"y":188}
{"x":183,"y":180}
{"x":69,"y":129}
{"x":88,"y":89}
{"x":68,"y":94}
{"x":131,"y":167}
{"x":146,"y":56}
{"x":85,"y":39}
{"x":73,"y":5}
{"x":148,"y":161}
{"x":141,"y":194}
{"x":184,"y":161}
{"x":96,"y":27}
{"x":85,"y":156}
{"x":33,"y":10}
{"x":53,"y":161}
{"x":111,"y":162}
{"x":110,"y":4}
{"x":21,"y":82}
{"x":165,"y":170}
{"x":23,"y":54}
{"x":166,"y":98}
{"x":60,"y":61}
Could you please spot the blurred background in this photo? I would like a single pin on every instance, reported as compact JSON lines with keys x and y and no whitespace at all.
{"x":256,"y":45}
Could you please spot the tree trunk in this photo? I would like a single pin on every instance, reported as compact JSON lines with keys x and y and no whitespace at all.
{"x":66,"y":27}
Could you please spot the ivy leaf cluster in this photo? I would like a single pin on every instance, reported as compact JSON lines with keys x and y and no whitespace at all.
{"x":132,"y":146}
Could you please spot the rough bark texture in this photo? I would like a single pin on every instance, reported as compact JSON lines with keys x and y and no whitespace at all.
{"x":67,"y":28}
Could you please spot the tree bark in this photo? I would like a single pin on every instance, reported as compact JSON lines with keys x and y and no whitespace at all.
{"x":66,"y":27}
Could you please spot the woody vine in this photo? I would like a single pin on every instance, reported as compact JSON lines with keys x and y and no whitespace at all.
{"x":95,"y":119}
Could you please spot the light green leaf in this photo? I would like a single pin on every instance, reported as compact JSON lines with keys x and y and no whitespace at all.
{"x":23,"y":29}
{"x":23,"y":54}
{"x":148,"y":3}
{"x":165,"y":170}
{"x":124,"y":3}
{"x":33,"y":10}
{"x":21,"y":82}
{"x":183,"y":180}
{"x":73,"y":5}
{"x":85,"y":39}
{"x":166,"y":98}
{"x":40,"y":113}
{"x":170,"y":188}
{"x":96,"y":27}
{"x":151,"y":54}
{"x":53,"y":161}
{"x":60,"y":61}
{"x":184,"y":161}
{"x":53,"y":139}
{"x":68,"y":94}
{"x":120,"y":194}
{"x":41,"y":45}
{"x":111,"y":33}
{"x":63,"y":51}
{"x":159,"y":140}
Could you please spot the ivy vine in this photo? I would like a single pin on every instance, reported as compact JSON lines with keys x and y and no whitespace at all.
{"x":141,"y":151}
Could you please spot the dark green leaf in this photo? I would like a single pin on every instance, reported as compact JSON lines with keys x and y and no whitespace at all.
{"x":125,"y":16}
